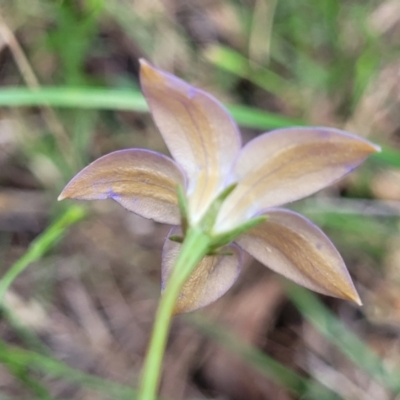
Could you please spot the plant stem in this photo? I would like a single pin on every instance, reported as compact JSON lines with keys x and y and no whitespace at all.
{"x":43,"y":243}
{"x":194,"y":247}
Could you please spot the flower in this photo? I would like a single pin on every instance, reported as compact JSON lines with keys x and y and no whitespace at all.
{"x":240,"y":183}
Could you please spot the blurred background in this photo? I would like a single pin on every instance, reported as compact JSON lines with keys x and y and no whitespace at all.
{"x":80,"y":282}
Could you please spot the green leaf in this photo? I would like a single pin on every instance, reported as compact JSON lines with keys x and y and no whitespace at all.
{"x":74,"y":97}
{"x":235,"y":63}
{"x":388,"y":156}
{"x":261,"y":362}
{"x":341,"y":336}
{"x":129,"y":100}
{"x":43,"y":243}
{"x":20,"y":358}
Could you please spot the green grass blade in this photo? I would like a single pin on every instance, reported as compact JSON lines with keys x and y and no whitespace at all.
{"x":259,"y":119}
{"x":114,"y":99}
{"x":26,"y":335}
{"x":337,"y":333}
{"x":26,"y":359}
{"x":231,"y":61}
{"x":23,"y":375}
{"x":41,"y":245}
{"x":388,"y":156}
{"x":89,"y":98}
{"x":261,"y":362}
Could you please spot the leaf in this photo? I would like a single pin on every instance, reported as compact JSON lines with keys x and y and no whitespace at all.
{"x":43,"y":243}
{"x":348,"y":342}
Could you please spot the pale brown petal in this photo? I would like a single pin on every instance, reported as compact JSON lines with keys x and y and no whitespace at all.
{"x":287,"y":165}
{"x":142,"y":181}
{"x":213,"y":276}
{"x":199,"y":133}
{"x":294,"y":247}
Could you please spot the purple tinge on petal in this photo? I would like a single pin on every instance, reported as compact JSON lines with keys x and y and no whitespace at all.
{"x":288,"y":164}
{"x":199,"y":132}
{"x":142,"y":181}
{"x":293,"y":246}
{"x":213,"y":276}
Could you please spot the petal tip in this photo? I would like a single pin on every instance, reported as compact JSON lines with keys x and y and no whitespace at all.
{"x":74,"y":191}
{"x":63,"y":195}
{"x":377,"y":148}
{"x":356,"y":299}
{"x":143,"y":63}
{"x":371,"y":147}
{"x":148,"y":71}
{"x":353,"y":297}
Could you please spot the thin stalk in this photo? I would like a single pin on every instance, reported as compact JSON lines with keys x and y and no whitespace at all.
{"x":40,"y":246}
{"x":194,"y":247}
{"x":32,"y":81}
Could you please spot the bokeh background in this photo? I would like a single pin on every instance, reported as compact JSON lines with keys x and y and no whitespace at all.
{"x":80,"y":282}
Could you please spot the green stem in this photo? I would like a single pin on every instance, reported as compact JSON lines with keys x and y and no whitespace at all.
{"x":40,"y":246}
{"x":194,"y":248}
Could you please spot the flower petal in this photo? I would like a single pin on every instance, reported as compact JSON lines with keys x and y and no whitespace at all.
{"x":142,"y":181}
{"x":213,"y":276}
{"x":287,"y":165}
{"x":200,"y":134}
{"x":294,"y":247}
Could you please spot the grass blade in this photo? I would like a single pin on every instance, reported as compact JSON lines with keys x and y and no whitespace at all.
{"x":41,"y":245}
{"x":337,"y":333}
{"x":114,"y":99}
{"x":26,"y":359}
{"x":231,"y":61}
{"x":261,"y":362}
